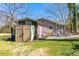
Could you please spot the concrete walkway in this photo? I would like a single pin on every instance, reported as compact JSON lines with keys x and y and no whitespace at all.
{"x":63,"y":37}
{"x":4,"y":34}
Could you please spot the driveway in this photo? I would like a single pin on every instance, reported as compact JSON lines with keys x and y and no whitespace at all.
{"x":63,"y":37}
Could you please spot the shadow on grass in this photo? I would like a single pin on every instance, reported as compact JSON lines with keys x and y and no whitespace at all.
{"x":6,"y":39}
{"x":75,"y":48}
{"x":9,"y":39}
{"x":60,"y":39}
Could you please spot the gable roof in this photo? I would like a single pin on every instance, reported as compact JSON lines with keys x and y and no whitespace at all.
{"x":56,"y":22}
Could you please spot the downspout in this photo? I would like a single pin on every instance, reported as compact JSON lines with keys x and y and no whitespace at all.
{"x":22,"y":33}
{"x":56,"y":29}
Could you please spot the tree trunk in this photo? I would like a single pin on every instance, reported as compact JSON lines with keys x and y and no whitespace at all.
{"x":11,"y":31}
{"x":74,"y":19}
{"x":70,"y":26}
{"x":71,"y":21}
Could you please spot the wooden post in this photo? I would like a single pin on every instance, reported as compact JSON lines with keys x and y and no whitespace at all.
{"x":32,"y":32}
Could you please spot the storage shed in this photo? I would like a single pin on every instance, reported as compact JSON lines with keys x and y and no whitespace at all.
{"x":26,"y":30}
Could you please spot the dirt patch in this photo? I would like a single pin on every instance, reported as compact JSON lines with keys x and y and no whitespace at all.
{"x":21,"y":51}
{"x":39,"y":52}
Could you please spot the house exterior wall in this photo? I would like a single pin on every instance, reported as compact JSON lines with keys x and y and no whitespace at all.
{"x":28,"y":23}
{"x":46,"y":28}
{"x":25,"y":23}
{"x":61,"y":28}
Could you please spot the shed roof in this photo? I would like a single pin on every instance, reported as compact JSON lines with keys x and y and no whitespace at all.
{"x":25,"y":19}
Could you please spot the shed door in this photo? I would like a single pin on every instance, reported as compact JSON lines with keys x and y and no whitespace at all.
{"x":26,"y":33}
{"x":19,"y":33}
{"x":23,"y":33}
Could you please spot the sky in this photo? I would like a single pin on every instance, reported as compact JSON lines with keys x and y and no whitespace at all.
{"x":40,"y":10}
{"x":37,"y":10}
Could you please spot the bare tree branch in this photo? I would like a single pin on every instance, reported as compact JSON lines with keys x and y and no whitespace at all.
{"x":57,"y":13}
{"x":13,"y":10}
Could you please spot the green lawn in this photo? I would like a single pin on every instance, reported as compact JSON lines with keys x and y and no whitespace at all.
{"x":55,"y":48}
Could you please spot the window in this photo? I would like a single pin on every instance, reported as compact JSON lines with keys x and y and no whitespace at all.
{"x":50,"y":27}
{"x":21,"y":23}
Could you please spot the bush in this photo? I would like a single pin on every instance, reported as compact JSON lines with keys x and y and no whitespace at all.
{"x":5,"y":29}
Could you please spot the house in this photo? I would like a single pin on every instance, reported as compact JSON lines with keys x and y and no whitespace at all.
{"x":49,"y":28}
{"x":41,"y":28}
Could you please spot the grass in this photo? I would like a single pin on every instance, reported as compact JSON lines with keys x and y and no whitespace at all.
{"x":59,"y":48}
{"x":11,"y":48}
{"x":56,"y":48}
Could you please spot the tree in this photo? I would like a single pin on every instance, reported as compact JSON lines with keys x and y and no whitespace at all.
{"x":57,"y":11}
{"x":12,"y":11}
{"x":74,"y":17}
{"x":70,"y":14}
{"x":73,"y":9}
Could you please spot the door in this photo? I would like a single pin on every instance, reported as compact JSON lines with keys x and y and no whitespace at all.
{"x":19,"y":34}
{"x":26,"y":33}
{"x":23,"y":33}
